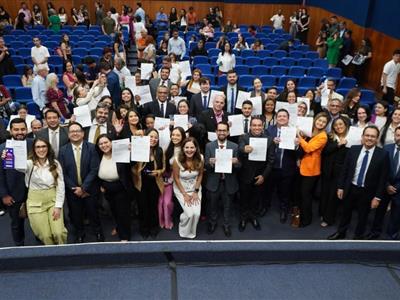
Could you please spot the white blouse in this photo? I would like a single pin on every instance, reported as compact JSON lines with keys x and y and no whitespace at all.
{"x":226,"y":62}
{"x":108,"y":170}
{"x":42,"y":179}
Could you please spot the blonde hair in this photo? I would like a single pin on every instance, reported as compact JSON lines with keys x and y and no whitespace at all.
{"x":50,"y":80}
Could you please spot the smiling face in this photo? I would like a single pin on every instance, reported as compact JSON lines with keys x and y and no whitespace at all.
{"x":183,"y":108}
{"x":126,"y":96}
{"x":41,"y":149}
{"x":256,"y":127}
{"x":339,"y":127}
{"x":176,"y":137}
{"x":302,"y":109}
{"x":153,"y":138}
{"x":102,"y":115}
{"x":257,"y":84}
{"x":133,"y":118}
{"x":396,"y":116}
{"x":380,"y":110}
{"x":370,"y":137}
{"x":18,"y":131}
{"x":75,"y":134}
{"x":321,"y":123}
{"x":290,"y":85}
{"x":105,"y":145}
{"x":189,"y":148}
{"x":219,"y":102}
{"x":361,"y":114}
{"x":282,"y":118}
{"x":291,"y":97}
{"x":269,"y":106}
{"x":52,"y":120}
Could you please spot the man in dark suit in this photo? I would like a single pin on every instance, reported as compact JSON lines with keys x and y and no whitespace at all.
{"x":3,"y":132}
{"x":221,"y":187}
{"x":13,"y":191}
{"x":160,"y":107}
{"x":284,"y":169}
{"x":211,"y":117}
{"x":100,"y":125}
{"x":362,"y":182}
{"x":113,"y":85}
{"x":199,"y":102}
{"x":80,"y":163}
{"x":231,"y":91}
{"x":36,"y":126}
{"x":162,"y":81}
{"x":392,"y":194}
{"x":56,"y":135}
{"x":253,"y":174}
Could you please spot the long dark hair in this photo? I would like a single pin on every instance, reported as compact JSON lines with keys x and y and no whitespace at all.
{"x":51,"y":157}
{"x":157,"y":151}
{"x":103,"y":135}
{"x":169,"y":153}
{"x":386,"y":127}
{"x":197,"y":161}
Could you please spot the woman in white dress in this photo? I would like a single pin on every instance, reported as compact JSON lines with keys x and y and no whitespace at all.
{"x":188,"y":173}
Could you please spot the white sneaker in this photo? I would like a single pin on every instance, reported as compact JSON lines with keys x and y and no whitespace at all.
{"x":324,"y":224}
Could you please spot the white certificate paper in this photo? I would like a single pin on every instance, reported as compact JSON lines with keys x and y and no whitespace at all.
{"x":161,"y":123}
{"x":140,"y":148}
{"x":354,"y":136}
{"x":305,"y":124}
{"x":237,"y":126}
{"x":164,"y":137}
{"x":181,"y":121}
{"x":130,"y":83}
{"x":20,"y":153}
{"x":212,"y":136}
{"x":292,"y":110}
{"x":145,"y":71}
{"x":144,"y":92}
{"x":223,"y":161}
{"x":213,"y":94}
{"x":83,"y":116}
{"x":185,"y":69}
{"x":260,"y":146}
{"x":120,"y":151}
{"x":288,"y":135}
{"x":241,"y":97}
{"x":325,"y":97}
{"x":257,"y":105}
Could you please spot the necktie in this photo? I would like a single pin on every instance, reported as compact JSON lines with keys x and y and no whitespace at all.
{"x":396,"y":160}
{"x":246,"y":125}
{"x":204,"y":102}
{"x":232,"y":108}
{"x":54,"y":143}
{"x":96,"y":134}
{"x":78,"y":165}
{"x":363,"y":169}
{"x":162,"y":110}
{"x":163,"y":83}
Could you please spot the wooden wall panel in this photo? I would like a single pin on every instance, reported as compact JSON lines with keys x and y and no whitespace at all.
{"x":246,"y":13}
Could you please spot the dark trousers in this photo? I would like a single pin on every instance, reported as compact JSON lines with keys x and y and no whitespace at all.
{"x":389,"y":96}
{"x":394,"y":221}
{"x":307,"y":189}
{"x":380,"y":212}
{"x":148,"y":206}
{"x":214,"y":198}
{"x":81,"y":207}
{"x":120,"y":204}
{"x":355,"y":198}
{"x":329,"y":200}
{"x":283,"y":184}
{"x":250,"y":199}
{"x":17,"y":224}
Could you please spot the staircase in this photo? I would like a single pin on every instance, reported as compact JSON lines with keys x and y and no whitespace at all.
{"x":132,"y":58}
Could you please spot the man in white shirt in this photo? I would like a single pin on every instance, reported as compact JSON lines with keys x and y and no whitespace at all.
{"x":390,"y":73}
{"x":277,"y":20}
{"x":140,"y":12}
{"x":176,"y":45}
{"x":121,"y":70}
{"x":39,"y":86}
{"x":40,"y":54}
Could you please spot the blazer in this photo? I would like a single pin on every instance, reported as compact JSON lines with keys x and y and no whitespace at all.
{"x":238,"y":88}
{"x":213,"y":179}
{"x":3,"y":132}
{"x":207,"y":118}
{"x":89,"y":167}
{"x":62,"y":137}
{"x":12,"y":182}
{"x":251,"y":169}
{"x":154,"y":84}
{"x":376,"y":174}
{"x":393,"y":177}
{"x":154,"y":109}
{"x":289,"y":158}
{"x":196,"y":105}
{"x":332,"y":160}
{"x":110,"y":131}
{"x":310,"y":164}
{"x":114,"y":87}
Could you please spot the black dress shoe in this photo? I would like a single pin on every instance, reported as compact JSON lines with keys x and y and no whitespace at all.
{"x":372,"y":236}
{"x":227,"y":231}
{"x":242,"y":225}
{"x":337,"y":236}
{"x":283,"y":217}
{"x":79,"y":239}
{"x":211,"y":228}
{"x":99,"y":237}
{"x":256,"y":224}
{"x":262,"y":212}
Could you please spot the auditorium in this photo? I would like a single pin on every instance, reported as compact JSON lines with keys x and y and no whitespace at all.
{"x":233,"y":149}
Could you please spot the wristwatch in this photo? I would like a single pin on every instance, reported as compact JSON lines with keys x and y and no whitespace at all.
{"x":197,"y":190}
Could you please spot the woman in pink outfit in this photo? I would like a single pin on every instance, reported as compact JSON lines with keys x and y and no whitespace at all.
{"x":165,"y":202}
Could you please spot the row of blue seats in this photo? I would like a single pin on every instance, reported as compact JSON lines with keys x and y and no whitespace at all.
{"x":79,"y":54}
{"x":9,"y":39}
{"x":52,"y":46}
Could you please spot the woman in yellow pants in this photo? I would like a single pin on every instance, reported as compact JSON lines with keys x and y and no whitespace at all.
{"x":46,"y":193}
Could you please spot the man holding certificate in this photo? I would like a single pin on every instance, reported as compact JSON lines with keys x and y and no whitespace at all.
{"x":211,"y":117}
{"x":221,"y":162}
{"x":255,"y":170}
{"x":12,"y":183}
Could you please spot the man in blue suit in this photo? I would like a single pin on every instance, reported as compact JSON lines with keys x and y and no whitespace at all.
{"x":112,"y":83}
{"x":13,"y":191}
{"x":221,"y":187}
{"x":80,"y":163}
{"x":284,"y":169}
{"x":362,"y":182}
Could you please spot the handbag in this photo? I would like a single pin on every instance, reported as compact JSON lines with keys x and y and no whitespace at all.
{"x":23,"y":211}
